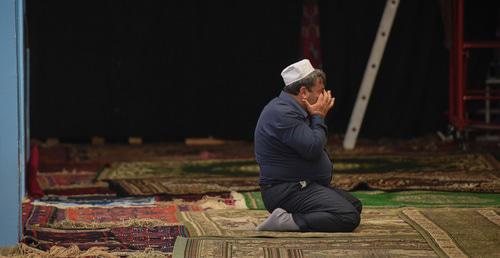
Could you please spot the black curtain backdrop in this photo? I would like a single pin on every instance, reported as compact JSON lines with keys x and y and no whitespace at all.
{"x":166,"y":70}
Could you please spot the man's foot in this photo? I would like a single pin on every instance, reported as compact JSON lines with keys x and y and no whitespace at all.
{"x":279,"y":220}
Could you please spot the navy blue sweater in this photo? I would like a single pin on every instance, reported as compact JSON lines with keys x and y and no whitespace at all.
{"x":289,"y":145}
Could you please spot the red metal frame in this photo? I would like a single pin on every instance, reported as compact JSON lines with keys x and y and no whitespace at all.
{"x":458,"y":92}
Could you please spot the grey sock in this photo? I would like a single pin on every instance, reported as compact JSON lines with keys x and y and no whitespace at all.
{"x":279,"y":220}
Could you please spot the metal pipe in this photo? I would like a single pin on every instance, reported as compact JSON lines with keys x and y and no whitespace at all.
{"x":452,"y":67}
{"x":460,"y":63}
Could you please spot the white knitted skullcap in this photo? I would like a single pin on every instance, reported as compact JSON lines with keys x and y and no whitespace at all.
{"x":297,"y":71}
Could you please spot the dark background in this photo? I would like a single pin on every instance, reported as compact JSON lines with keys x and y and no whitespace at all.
{"x":167,"y":70}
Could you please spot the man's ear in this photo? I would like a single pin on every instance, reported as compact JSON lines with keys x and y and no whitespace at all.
{"x":303,"y":93}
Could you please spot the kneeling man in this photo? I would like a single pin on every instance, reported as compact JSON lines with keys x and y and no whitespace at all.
{"x":295,"y":169}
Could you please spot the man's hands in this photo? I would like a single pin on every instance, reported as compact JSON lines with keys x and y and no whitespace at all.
{"x":322,"y":106}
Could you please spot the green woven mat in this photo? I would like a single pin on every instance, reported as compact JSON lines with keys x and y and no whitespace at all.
{"x":254,"y":201}
{"x":343,"y":164}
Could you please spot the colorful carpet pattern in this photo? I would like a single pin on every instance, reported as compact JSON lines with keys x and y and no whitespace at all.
{"x":121,"y":238}
{"x":65,"y":179}
{"x":70,"y":178}
{"x":124,"y":224}
{"x":409,"y":232}
{"x":118,"y":224}
{"x":189,"y":202}
{"x":94,"y":201}
{"x":72,"y":183}
{"x":36,"y":215}
{"x":446,"y":172}
{"x":106,"y":217}
{"x":225,"y":226}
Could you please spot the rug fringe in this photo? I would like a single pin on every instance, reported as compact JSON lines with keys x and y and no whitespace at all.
{"x":24,"y":250}
{"x":69,"y":224}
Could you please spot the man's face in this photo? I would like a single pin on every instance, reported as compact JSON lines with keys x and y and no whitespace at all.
{"x":316,"y":90}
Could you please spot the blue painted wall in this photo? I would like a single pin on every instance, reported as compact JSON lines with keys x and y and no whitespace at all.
{"x":11,"y":120}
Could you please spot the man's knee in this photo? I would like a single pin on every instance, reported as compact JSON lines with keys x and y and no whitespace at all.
{"x":359,"y":206}
{"x":349,"y":222}
{"x":352,"y":221}
{"x":346,"y":222}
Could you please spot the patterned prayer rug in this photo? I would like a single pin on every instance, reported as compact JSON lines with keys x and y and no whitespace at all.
{"x":447,"y":172}
{"x":146,"y":187}
{"x":110,"y":217}
{"x":116,"y":212}
{"x":253,"y":200}
{"x":59,"y":174}
{"x":94,"y":201}
{"x":62,"y":179}
{"x":61,"y":158}
{"x":107,"y":217}
{"x":191,"y":197}
{"x":157,"y":214}
{"x":27,"y":207}
{"x":383,"y":232}
{"x":181,"y":168}
{"x":38,"y":215}
{"x":442,"y":172}
{"x":161,"y":238}
{"x":137,"y":224}
{"x":72,"y":183}
{"x":182,"y":177}
{"x":242,"y":223}
{"x":132,"y":227}
{"x":302,"y":247}
{"x":459,"y":232}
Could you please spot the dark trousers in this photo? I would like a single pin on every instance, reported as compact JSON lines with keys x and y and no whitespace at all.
{"x":315,"y":207}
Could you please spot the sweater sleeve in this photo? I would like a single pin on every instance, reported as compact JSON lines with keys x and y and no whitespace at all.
{"x":307,"y":140}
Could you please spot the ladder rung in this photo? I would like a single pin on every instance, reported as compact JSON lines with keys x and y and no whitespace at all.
{"x":482,"y":92}
{"x":480,"y":97}
{"x":481,"y":44}
{"x":493,"y":81}
{"x":492,"y":111}
{"x":482,"y":125}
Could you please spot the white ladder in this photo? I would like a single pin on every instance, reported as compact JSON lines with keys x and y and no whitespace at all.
{"x":371,"y":70}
